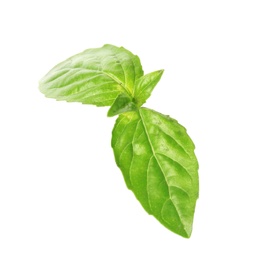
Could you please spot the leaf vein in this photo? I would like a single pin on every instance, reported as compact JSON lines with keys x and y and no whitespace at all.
{"x":149,"y":140}
{"x":176,"y":163}
{"x":174,"y":141}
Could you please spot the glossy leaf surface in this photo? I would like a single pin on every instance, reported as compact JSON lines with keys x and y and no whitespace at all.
{"x":96,"y":76}
{"x":156,"y":157}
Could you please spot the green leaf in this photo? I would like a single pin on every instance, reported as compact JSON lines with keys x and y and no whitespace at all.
{"x":122,"y":104}
{"x":156,"y":157}
{"x":96,"y":76}
{"x":145,"y":85}
{"x":153,"y":151}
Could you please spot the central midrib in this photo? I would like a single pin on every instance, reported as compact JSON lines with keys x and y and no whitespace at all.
{"x":154,"y":155}
{"x":118,"y":82}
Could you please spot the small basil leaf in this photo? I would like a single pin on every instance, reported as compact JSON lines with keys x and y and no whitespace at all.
{"x":156,"y":157}
{"x":145,"y":85}
{"x":122,"y":104}
{"x":96,"y":76}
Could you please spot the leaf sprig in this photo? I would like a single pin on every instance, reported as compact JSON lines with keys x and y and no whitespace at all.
{"x":153,"y":151}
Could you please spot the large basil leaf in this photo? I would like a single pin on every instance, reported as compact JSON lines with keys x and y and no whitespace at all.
{"x":156,"y":157}
{"x":96,"y":76}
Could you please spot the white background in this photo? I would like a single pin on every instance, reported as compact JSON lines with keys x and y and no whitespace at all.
{"x":61,"y":194}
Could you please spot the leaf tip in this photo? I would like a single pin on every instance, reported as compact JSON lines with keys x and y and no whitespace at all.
{"x":110,"y":113}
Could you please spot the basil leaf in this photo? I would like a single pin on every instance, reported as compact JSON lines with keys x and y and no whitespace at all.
{"x":145,"y":85}
{"x":96,"y":76}
{"x":156,"y":157}
{"x":153,"y":151}
{"x":122,"y":104}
